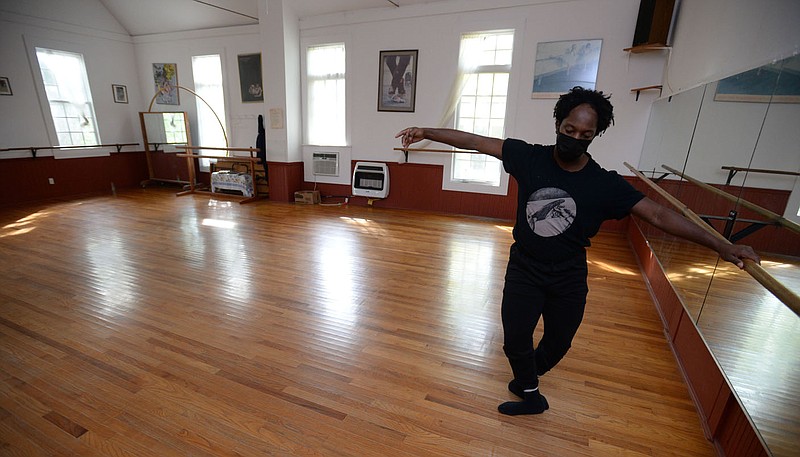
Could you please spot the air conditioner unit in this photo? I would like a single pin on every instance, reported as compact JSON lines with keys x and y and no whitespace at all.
{"x":325,"y":163}
{"x":371,"y":179}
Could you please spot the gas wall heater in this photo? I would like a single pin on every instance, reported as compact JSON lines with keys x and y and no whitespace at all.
{"x":325,"y":163}
{"x":371,"y":179}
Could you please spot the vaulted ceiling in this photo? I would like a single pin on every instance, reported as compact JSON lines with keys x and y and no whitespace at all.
{"x":144,"y":17}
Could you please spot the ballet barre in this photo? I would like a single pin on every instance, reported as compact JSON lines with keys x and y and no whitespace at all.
{"x":784,"y":294}
{"x":457,"y":151}
{"x":33,"y":149}
{"x":733,"y":170}
{"x":773,"y":218}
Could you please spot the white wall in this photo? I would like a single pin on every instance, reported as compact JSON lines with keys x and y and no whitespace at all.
{"x":83,"y":26}
{"x":713,"y":38}
{"x":178,"y":48}
{"x":111,"y":57}
{"x":435,"y":31}
{"x":719,"y":38}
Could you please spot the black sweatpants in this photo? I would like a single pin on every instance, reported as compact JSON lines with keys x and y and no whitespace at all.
{"x":555,"y":291}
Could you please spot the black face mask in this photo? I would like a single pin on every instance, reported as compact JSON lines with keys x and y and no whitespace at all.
{"x":570,"y":149}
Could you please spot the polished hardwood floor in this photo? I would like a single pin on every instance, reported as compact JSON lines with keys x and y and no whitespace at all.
{"x":145,"y":324}
{"x":754,"y":338}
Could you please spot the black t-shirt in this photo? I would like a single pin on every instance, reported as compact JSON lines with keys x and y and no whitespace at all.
{"x":558,"y":210}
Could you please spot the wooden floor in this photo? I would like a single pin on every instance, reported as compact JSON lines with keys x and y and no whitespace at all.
{"x":753,"y":336}
{"x":152,"y":325}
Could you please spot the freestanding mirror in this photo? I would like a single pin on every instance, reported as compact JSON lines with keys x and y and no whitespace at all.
{"x":161,"y":132}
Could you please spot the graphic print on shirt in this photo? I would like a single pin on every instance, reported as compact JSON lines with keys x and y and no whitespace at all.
{"x":550,"y":211}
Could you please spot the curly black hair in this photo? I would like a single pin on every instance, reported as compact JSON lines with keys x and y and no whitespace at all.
{"x":578,"y":96}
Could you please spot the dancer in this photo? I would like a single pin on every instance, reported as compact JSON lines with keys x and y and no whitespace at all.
{"x":563,"y":198}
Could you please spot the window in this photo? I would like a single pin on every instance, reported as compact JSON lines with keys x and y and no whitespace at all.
{"x":486,"y":64}
{"x":207,"y":72}
{"x":67,"y":89}
{"x":325,"y":106}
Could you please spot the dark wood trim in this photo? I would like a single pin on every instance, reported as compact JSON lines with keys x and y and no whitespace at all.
{"x":724,"y":421}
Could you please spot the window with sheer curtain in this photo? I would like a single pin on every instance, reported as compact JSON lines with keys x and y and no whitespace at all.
{"x":207,"y":73}
{"x":67,"y":87}
{"x":485,"y":61}
{"x":325,"y":79}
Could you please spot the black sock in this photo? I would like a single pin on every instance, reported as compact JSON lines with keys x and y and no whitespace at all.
{"x":533,"y":403}
{"x":515,"y":387}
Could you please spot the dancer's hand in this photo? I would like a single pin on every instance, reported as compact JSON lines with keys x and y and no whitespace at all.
{"x":411,"y":135}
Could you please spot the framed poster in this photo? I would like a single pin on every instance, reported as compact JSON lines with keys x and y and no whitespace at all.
{"x":250,"y":78}
{"x":165,"y":76}
{"x":120,"y":93}
{"x":562,"y":65}
{"x":397,"y":80}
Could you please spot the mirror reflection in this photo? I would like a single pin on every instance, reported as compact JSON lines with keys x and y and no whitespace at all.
{"x":669,"y":136}
{"x":165,"y":127}
{"x":728,"y":150}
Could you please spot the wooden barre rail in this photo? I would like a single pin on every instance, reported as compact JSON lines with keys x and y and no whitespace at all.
{"x":33,"y":149}
{"x":250,"y":150}
{"x":786,"y":296}
{"x":733,"y":170}
{"x":773,"y":217}
{"x":462,"y":151}
{"x":222,"y":158}
{"x":457,"y":151}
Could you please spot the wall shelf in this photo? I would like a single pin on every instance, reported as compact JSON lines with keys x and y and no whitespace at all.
{"x":639,"y":90}
{"x":642,"y":48}
{"x":647,"y":48}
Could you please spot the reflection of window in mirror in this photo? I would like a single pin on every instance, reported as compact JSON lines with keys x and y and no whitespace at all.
{"x":174,"y":128}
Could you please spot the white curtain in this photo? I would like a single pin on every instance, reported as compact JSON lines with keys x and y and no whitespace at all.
{"x":467,"y":62}
{"x":207,"y":72}
{"x":326,"y":95}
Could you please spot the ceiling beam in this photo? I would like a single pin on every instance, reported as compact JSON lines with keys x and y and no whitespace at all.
{"x":226,"y":9}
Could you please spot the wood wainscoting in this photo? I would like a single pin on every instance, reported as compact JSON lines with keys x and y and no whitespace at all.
{"x":27,"y":179}
{"x":416,"y":186}
{"x":723,"y":418}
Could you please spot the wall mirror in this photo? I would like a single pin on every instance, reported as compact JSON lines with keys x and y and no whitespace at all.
{"x":750,"y":121}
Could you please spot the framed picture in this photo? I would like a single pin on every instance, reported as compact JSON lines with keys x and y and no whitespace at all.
{"x":562,"y":65}
{"x":5,"y":86}
{"x":250,"y":78}
{"x":120,"y":93}
{"x":397,"y":80}
{"x":777,"y":82}
{"x":165,"y":76}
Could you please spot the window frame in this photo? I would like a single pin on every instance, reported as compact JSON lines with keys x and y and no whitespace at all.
{"x":305,"y":44}
{"x":44,"y":101}
{"x":205,"y":164}
{"x":448,"y":183}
